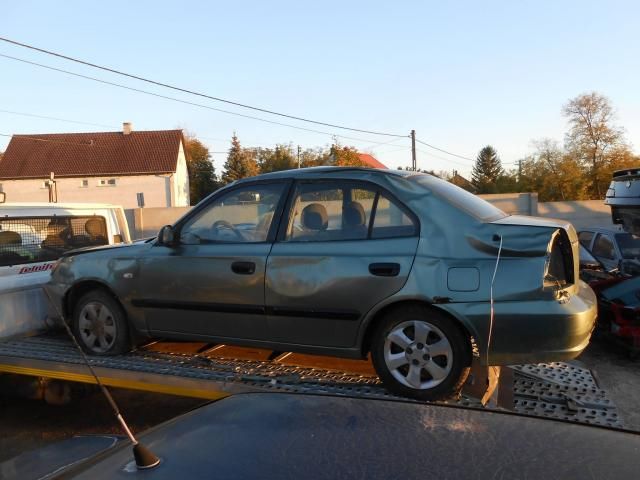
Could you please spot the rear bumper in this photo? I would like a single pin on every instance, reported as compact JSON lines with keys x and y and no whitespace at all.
{"x":532,"y":331}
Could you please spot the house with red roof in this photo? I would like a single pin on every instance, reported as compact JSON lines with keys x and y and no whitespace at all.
{"x":105,"y":167}
{"x":371,"y":161}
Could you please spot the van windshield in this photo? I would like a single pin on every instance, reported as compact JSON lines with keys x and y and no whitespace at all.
{"x":41,"y":239}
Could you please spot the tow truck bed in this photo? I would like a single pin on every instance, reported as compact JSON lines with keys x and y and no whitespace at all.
{"x":558,"y":390}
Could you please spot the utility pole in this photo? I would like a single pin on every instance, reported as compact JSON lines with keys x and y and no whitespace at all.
{"x":413,"y":150}
{"x":519,"y":170}
{"x":298,"y":156}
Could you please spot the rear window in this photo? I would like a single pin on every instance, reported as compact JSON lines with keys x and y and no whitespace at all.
{"x":459,"y":197}
{"x":41,"y":239}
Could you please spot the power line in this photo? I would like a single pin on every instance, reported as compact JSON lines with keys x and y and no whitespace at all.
{"x":443,"y":158}
{"x":56,"y":118}
{"x":445,"y":151}
{"x":192,"y":92}
{"x":173,"y":99}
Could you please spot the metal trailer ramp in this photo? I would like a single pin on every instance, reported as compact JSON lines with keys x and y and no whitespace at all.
{"x":556,"y":390}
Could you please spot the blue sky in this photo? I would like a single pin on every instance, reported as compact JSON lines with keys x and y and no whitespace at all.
{"x":462,"y":74}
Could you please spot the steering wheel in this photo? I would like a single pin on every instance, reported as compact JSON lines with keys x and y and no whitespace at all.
{"x":223,"y":224}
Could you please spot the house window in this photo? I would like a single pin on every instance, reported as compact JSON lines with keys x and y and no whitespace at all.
{"x":107,"y":182}
{"x":84,"y":183}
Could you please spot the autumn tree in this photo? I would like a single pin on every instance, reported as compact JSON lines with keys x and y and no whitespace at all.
{"x":202,"y":175}
{"x":593,"y":139}
{"x":345,"y":156}
{"x":240,"y":163}
{"x":279,"y":158}
{"x":486,"y":171}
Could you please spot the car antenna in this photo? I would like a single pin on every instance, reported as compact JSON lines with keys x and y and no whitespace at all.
{"x":144,"y":457}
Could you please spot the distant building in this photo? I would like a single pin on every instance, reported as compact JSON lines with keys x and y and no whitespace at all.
{"x":106,"y":167}
{"x":371,"y":161}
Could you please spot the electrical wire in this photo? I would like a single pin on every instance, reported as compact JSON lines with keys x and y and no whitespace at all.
{"x":173,"y":99}
{"x":445,"y":151}
{"x":491,"y":312}
{"x":56,"y":118}
{"x":193,"y":92}
{"x":443,"y":158}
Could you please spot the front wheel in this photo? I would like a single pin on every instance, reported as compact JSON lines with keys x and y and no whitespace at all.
{"x":420,"y":353}
{"x":100,"y":325}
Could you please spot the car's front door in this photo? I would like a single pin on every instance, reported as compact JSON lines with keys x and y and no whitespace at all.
{"x":345,"y":247}
{"x":211,"y":282}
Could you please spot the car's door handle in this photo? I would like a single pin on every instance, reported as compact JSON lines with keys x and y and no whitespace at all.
{"x":243,"y":268}
{"x":384,"y":269}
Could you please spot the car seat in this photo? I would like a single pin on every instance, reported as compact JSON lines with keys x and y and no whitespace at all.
{"x":95,"y":228}
{"x":354,"y":221}
{"x":314,"y":220}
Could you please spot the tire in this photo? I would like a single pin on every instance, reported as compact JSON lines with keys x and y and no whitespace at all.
{"x":405,"y":362}
{"x":100,"y":324}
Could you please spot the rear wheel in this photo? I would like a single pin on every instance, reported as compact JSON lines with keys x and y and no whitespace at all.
{"x":420,"y":353}
{"x":100,"y":325}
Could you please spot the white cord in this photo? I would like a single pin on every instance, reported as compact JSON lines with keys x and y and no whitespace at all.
{"x":493,"y":279}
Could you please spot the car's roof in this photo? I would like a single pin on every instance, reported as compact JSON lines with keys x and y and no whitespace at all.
{"x":313,"y":172}
{"x":309,"y":436}
{"x":603,"y":229}
{"x":55,"y":206}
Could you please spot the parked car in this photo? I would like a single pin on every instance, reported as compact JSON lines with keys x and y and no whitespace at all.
{"x":32,"y":237}
{"x":343,"y":261}
{"x":613,"y":247}
{"x":288,"y":436}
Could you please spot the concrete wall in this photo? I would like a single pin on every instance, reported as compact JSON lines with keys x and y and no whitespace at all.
{"x":146,"y":222}
{"x":157,"y":190}
{"x":514,"y":203}
{"x":584,"y":213}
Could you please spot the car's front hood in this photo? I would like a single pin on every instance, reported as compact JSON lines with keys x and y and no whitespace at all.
{"x":118,"y":249}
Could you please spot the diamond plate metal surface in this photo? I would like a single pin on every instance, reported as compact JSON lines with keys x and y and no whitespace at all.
{"x":554,"y":390}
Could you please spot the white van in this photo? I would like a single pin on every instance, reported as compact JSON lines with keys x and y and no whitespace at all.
{"x":32,"y":237}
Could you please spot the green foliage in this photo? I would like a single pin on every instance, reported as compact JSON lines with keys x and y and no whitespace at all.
{"x":202,"y":175}
{"x":281,"y":157}
{"x":241,"y":163}
{"x":486,"y":171}
{"x":345,"y":156}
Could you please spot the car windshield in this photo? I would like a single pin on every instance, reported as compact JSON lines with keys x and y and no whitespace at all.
{"x":629,"y":245}
{"x":470,"y":203}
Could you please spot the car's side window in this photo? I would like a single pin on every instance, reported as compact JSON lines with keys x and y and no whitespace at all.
{"x":391,"y":221}
{"x":585,"y":239}
{"x":244,"y":215}
{"x":329,"y":211}
{"x":604,"y":247}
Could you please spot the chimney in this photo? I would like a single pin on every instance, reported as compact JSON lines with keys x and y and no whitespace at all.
{"x":127,"y":128}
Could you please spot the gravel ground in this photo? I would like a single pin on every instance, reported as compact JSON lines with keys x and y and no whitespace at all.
{"x":29,"y":424}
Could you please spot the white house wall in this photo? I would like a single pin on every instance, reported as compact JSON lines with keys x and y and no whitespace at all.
{"x":181,"y":181}
{"x":157,"y":189}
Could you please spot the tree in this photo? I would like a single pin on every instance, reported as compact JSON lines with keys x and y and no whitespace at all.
{"x":279,"y":158}
{"x":345,"y":156}
{"x":593,"y":137}
{"x":202,"y":175}
{"x":240,"y":163}
{"x":486,"y":171}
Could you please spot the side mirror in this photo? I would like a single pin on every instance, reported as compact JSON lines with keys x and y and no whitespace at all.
{"x":166,"y":236}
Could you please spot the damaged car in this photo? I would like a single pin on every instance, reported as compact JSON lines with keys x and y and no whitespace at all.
{"x":342,"y":261}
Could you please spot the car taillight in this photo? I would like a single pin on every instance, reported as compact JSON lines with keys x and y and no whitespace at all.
{"x":558,"y":271}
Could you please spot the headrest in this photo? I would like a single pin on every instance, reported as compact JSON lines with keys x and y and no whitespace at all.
{"x":314,"y":217}
{"x":8,"y":237}
{"x":353,"y":214}
{"x":93,"y":226}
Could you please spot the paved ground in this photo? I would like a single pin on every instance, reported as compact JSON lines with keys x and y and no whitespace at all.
{"x":26,"y":424}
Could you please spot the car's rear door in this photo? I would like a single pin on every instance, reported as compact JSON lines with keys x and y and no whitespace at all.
{"x":342,"y":247}
{"x":212,"y":282}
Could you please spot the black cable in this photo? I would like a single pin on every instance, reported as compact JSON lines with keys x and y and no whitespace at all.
{"x":180,"y":100}
{"x":192,"y":92}
{"x":56,"y":118}
{"x":444,"y":151}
